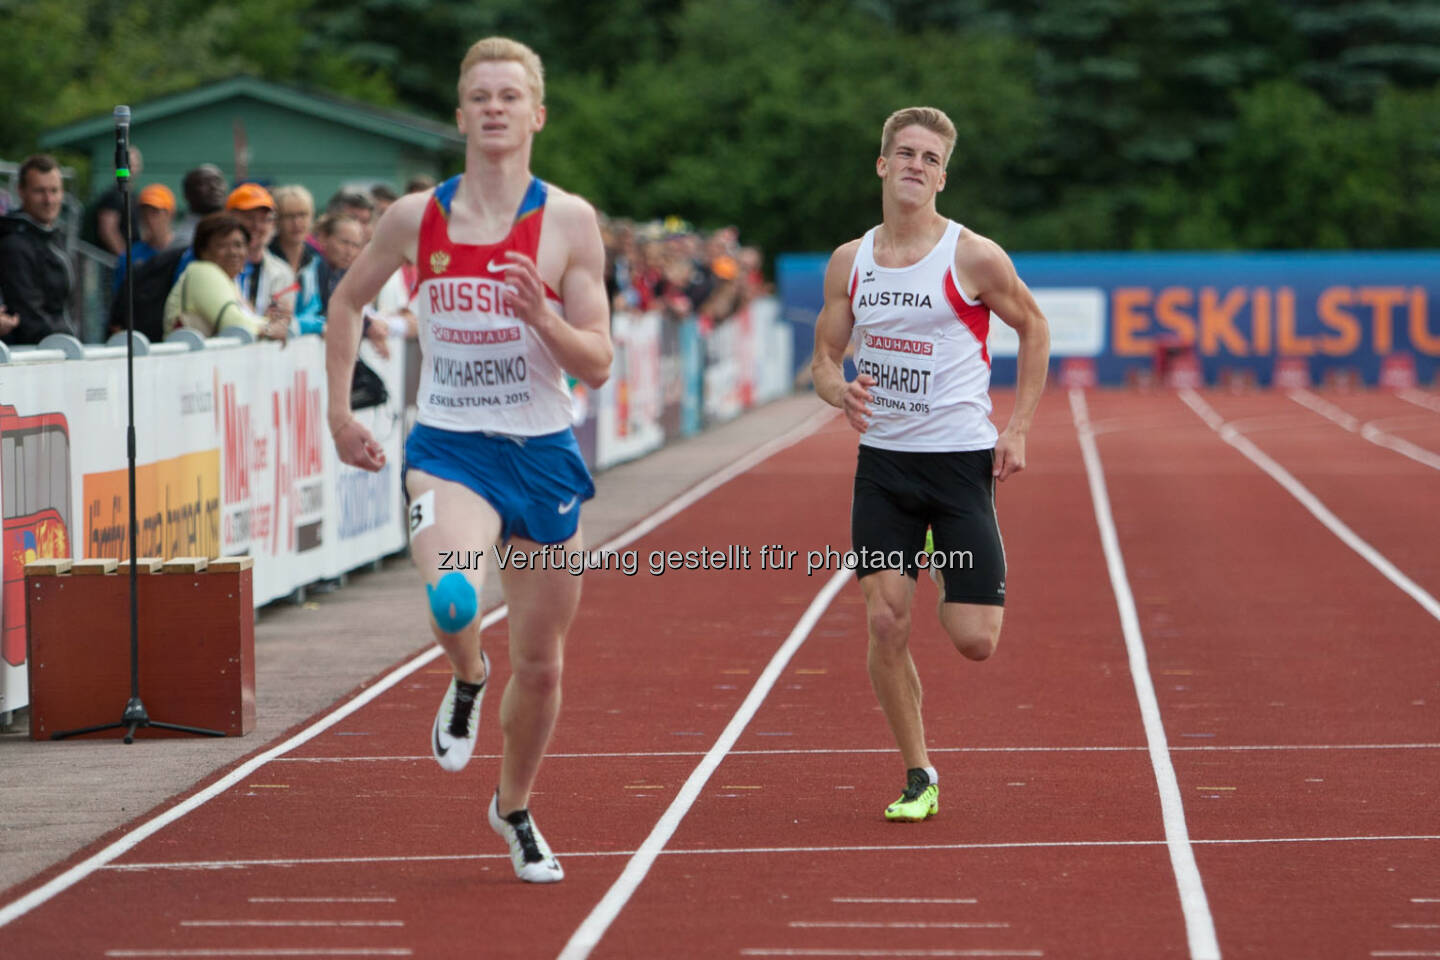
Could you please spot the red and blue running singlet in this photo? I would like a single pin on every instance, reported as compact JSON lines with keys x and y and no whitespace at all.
{"x":482,"y":367}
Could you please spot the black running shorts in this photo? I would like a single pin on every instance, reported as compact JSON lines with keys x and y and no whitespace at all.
{"x":899,"y":493}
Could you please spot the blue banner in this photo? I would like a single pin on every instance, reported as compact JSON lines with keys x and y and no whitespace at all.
{"x":1241,"y":312}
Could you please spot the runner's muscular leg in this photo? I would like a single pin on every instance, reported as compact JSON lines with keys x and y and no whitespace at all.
{"x":464,"y":524}
{"x":542,"y":605}
{"x":974,"y":628}
{"x":888,"y":598}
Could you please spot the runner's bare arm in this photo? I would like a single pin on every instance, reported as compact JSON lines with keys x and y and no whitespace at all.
{"x":832,"y":337}
{"x":394,"y":242}
{"x":579,"y":341}
{"x":984,"y":264}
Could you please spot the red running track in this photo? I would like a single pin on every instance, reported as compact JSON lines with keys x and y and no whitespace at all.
{"x":1296,"y":687}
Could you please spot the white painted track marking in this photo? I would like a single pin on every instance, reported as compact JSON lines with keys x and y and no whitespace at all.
{"x":932,"y":900}
{"x":1420,"y":398}
{"x":1370,"y":431}
{"x":765,"y":851}
{"x":1311,"y":502}
{"x":292,"y":923}
{"x":849,"y":750}
{"x":132,"y":838}
{"x":1195,"y":907}
{"x":896,"y":925}
{"x":588,"y":934}
{"x":848,"y":952}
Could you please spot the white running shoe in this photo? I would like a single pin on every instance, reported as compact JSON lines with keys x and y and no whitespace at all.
{"x":457,"y":721}
{"x":534,"y":863}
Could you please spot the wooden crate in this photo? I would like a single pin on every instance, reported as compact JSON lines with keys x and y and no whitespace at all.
{"x":197,"y":644}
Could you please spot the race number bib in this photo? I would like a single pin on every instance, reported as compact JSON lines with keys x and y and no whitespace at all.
{"x":479,"y":368}
{"x":903,"y":369}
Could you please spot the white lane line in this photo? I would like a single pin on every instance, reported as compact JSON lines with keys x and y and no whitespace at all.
{"x":1330,"y":411}
{"x":1405,"y":953}
{"x":1420,"y":398}
{"x":1425,"y":899}
{"x":133,"y":838}
{"x":129,"y":840}
{"x":896,"y":925}
{"x":292,"y":923}
{"x":1414,"y":451}
{"x":732,"y":851}
{"x":1370,"y":431}
{"x":1199,"y":925}
{"x":1416,"y":926}
{"x":322,"y":899}
{"x":850,"y":952}
{"x":847,"y":750}
{"x":1311,"y":502}
{"x":268,"y":952}
{"x":903,"y":900}
{"x":588,"y":934}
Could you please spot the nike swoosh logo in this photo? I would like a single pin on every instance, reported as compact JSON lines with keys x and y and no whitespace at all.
{"x":494,"y":267}
{"x":439,"y":750}
{"x":567,"y":507}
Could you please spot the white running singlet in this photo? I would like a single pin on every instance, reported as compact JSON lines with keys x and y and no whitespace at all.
{"x":923,"y":341}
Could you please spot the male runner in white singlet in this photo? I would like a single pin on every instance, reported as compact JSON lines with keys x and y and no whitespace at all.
{"x":915,"y":294}
{"x":511,"y":297}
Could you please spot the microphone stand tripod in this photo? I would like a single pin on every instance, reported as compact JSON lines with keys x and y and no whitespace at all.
{"x":135,"y":715}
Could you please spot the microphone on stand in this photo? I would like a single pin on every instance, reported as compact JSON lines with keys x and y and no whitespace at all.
{"x":122,"y":143}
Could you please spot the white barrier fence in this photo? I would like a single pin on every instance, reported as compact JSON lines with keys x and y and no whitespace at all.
{"x":233,"y":457}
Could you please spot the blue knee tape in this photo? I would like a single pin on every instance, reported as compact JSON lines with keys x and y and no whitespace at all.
{"x":453,"y":602}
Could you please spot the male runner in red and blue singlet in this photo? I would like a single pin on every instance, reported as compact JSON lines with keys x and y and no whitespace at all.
{"x":915,"y":294}
{"x":511,"y":297}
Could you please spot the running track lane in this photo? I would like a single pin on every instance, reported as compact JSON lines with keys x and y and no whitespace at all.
{"x":1298,"y":685}
{"x":361,"y":819}
{"x":1386,"y":497}
{"x":1049,"y":840}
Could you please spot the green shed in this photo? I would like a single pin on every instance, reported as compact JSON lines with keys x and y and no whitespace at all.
{"x":272,"y":134}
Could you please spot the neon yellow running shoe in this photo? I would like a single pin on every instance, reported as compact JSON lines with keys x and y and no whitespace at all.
{"x":935,"y":574}
{"x":920,"y":800}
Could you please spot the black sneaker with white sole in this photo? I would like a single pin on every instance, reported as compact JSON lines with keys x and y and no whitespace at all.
{"x":529,"y":853}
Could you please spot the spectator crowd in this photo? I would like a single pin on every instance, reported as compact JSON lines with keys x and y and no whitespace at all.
{"x":261,"y":259}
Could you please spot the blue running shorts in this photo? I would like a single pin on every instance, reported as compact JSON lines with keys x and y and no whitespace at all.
{"x":536,"y":484}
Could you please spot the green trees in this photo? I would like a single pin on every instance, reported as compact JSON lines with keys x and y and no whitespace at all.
{"x":1084,"y":124}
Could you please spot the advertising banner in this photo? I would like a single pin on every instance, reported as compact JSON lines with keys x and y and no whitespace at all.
{"x":1315,"y":313}
{"x":233,"y":457}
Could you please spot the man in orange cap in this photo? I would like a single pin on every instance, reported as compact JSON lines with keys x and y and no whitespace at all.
{"x":156,"y":214}
{"x":267,"y":281}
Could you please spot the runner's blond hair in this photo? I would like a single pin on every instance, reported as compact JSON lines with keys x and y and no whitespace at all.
{"x":503,"y":48}
{"x":930,"y":118}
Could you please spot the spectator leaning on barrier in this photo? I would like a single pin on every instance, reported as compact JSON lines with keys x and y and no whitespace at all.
{"x":104,"y":218}
{"x":35,"y":273}
{"x":267,"y":282}
{"x":295,"y":210}
{"x":382,"y":196}
{"x":341,"y":240}
{"x":204,"y":189}
{"x":207,"y":296}
{"x":157,"y":210}
{"x":8,"y":320}
{"x":409,"y":274}
{"x":356,"y":205}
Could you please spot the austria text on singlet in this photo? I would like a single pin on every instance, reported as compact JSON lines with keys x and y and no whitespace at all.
{"x":482,"y":368}
{"x":923,"y":341}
